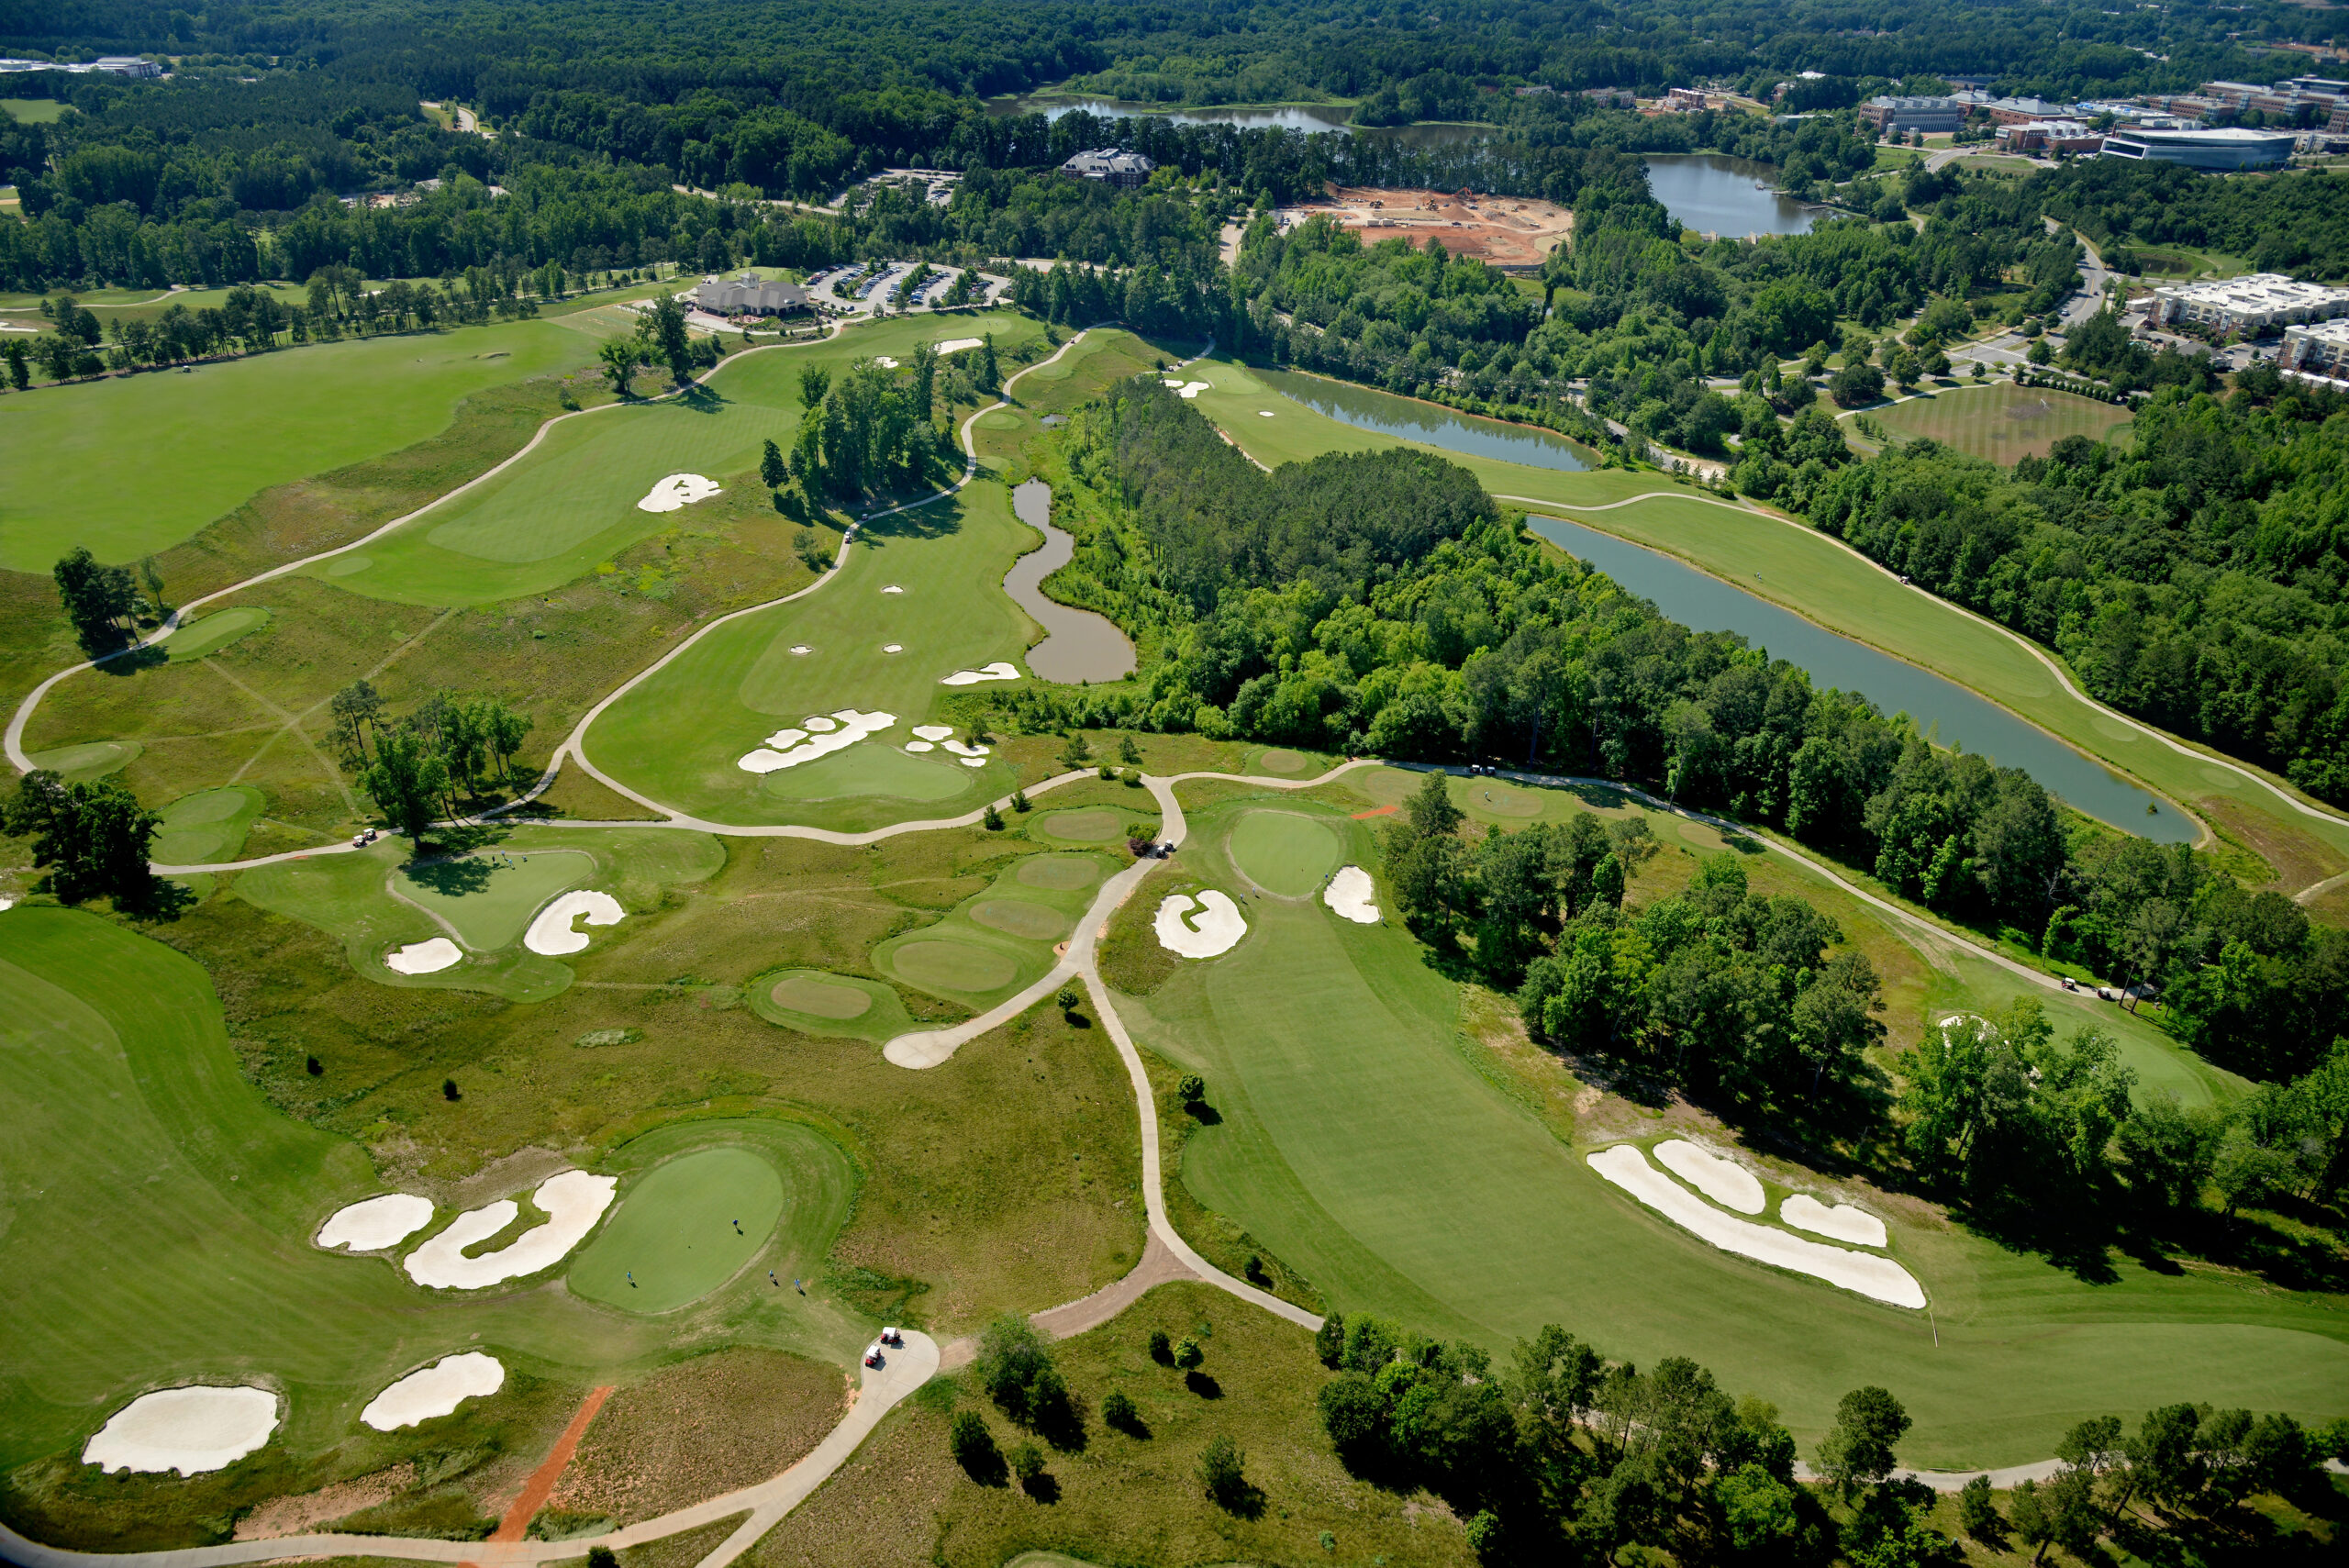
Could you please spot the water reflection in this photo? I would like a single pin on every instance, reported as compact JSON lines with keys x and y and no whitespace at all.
{"x":1728,"y":196}
{"x":1948,"y":712}
{"x":1080,"y":645}
{"x":1405,"y":419}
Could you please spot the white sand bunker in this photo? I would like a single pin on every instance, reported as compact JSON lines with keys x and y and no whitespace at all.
{"x":434,"y":1391}
{"x":998,"y":670}
{"x":1185,"y":389}
{"x":423,"y":958}
{"x":801,"y":649}
{"x":677,"y":491}
{"x":930,"y":737}
{"x":885,"y":362}
{"x":375,"y":1223}
{"x":1216,"y":929}
{"x":551,"y":932}
{"x":816,"y":736}
{"x":1725,"y":1182}
{"x":1349,"y":893}
{"x":1263,"y":413}
{"x":893,"y":648}
{"x":573,"y":1201}
{"x":187,"y":1429}
{"x":893,"y":588}
{"x":956,"y":345}
{"x":1879,"y":1278}
{"x":932,"y":732}
{"x":1842,"y":1222}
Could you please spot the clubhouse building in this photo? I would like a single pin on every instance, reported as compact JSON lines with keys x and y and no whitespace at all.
{"x":749,"y":296}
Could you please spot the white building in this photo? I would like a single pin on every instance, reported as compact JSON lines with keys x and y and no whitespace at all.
{"x":2227,"y":147}
{"x":2319,"y":352}
{"x":2250,"y":304}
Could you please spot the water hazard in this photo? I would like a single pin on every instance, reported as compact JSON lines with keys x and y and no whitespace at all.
{"x":1948,"y":712}
{"x":1405,"y":420}
{"x":1080,"y":645}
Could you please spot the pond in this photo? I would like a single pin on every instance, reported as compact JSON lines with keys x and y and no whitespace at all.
{"x":1405,"y":419}
{"x":1952,"y":715}
{"x":1728,"y":196}
{"x":1079,"y":645}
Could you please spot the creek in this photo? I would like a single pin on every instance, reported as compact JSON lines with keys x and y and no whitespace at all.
{"x":1079,"y":645}
{"x":1406,"y":418}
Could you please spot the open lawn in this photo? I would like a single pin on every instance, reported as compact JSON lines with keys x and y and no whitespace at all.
{"x":2001,"y":421}
{"x":677,"y":737}
{"x":162,"y":1211}
{"x":132,"y":465}
{"x":572,"y":503}
{"x":1796,"y":566}
{"x":32,"y":111}
{"x":1360,"y":1145}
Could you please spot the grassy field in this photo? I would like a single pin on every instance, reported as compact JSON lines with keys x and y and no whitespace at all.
{"x":206,"y":827}
{"x":130,"y":466}
{"x":32,"y":111}
{"x":2001,"y":421}
{"x":1813,"y":576}
{"x":676,"y":737}
{"x":571,"y":504}
{"x":1361,"y":1144}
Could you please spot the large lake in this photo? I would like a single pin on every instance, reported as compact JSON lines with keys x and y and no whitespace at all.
{"x":1367,"y":408}
{"x":1952,"y":715}
{"x":1726,"y":197}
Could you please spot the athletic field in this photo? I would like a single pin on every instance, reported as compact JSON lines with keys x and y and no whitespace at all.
{"x":2001,"y":421}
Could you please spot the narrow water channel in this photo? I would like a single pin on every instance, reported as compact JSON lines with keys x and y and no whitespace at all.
{"x":1952,"y":715}
{"x":1405,"y":419}
{"x":1079,"y":645}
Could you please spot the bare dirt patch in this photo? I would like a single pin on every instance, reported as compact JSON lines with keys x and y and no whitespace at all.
{"x":1507,"y":231}
{"x":698,"y":1429}
{"x":306,"y":1512}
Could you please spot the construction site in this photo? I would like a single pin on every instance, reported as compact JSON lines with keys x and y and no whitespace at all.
{"x":1506,"y":231}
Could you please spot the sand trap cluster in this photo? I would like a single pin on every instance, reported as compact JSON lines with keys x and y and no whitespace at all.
{"x":375,"y":1223}
{"x":1216,"y":929}
{"x":1842,"y":1222}
{"x":1185,"y":388}
{"x":1349,"y":893}
{"x":572,"y":1202}
{"x":188,"y":1429}
{"x":434,"y":1391}
{"x":1001,"y":670}
{"x":677,"y":491}
{"x":423,"y":958}
{"x":1725,"y":1182}
{"x":551,"y":932}
{"x":817,"y":736}
{"x":1879,"y":1278}
{"x":931,"y":737}
{"x":885,"y":362}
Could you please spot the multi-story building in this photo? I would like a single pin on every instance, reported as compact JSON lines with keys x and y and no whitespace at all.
{"x":2227,"y":147}
{"x":2049,"y":135}
{"x":1898,"y":117}
{"x":2317,"y":353}
{"x":2260,"y":303}
{"x":2021,"y":111}
{"x":1123,"y":169}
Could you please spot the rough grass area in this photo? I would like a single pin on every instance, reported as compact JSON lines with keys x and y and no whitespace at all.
{"x":1122,"y":1498}
{"x":2001,"y":421}
{"x":698,"y":1427}
{"x":1000,"y":938}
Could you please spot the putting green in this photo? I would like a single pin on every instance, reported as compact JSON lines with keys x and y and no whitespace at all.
{"x":936,"y":965}
{"x":130,"y":465}
{"x":814,"y":1001}
{"x":490,"y":897}
{"x":819,"y":998}
{"x":1037,"y":922}
{"x":874,"y":768}
{"x":1361,"y":1145}
{"x":1283,"y":852}
{"x":206,"y":827}
{"x":1503,"y":801}
{"x":1066,"y":874}
{"x":1280,"y":760}
{"x":92,"y":760}
{"x":1097,"y":826}
{"x":676,"y":1230}
{"x":1001,"y":419}
{"x":213,"y":632}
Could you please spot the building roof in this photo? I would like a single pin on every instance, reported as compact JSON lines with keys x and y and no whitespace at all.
{"x":2333,"y":331}
{"x":2259,"y":294}
{"x":2219,"y":136}
{"x":1883,"y":102}
{"x":749,"y":292}
{"x":1107,"y":162}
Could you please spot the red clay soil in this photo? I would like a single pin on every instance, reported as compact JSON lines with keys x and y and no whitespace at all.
{"x":540,"y":1486}
{"x":1507,"y":231}
{"x":1375,"y":811}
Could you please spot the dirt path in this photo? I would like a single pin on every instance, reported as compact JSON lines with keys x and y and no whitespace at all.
{"x":541,"y":1484}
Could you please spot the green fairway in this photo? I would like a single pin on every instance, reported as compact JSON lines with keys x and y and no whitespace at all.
{"x":677,"y":737}
{"x":2001,"y":421}
{"x":997,"y":940}
{"x":1094,"y":826}
{"x":1794,"y":565}
{"x":1359,"y":1143}
{"x":206,"y":828}
{"x":1284,"y":851}
{"x":572,"y":503}
{"x":211,"y":633}
{"x":131,"y":466}
{"x":92,"y":760}
{"x":489,"y":897}
{"x":680,"y":1230}
{"x":814,"y":1001}
{"x":1066,"y":873}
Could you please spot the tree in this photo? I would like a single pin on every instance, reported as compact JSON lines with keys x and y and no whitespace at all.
{"x":990,"y":374}
{"x":1017,"y":1370}
{"x":449,"y":1089}
{"x":1128,"y":753}
{"x":619,"y":357}
{"x":1977,"y":1511}
{"x":1188,"y":1353}
{"x":1119,"y":1411}
{"x":663,"y":330}
{"x":94,"y":836}
{"x":1077,"y":753}
{"x":991,"y":819}
{"x":1856,"y":384}
{"x":1329,"y":1339}
{"x":972,"y":1446}
{"x":1162,"y":1348}
{"x":407,"y":780}
{"x":1431,"y":808}
{"x":1028,"y":1464}
{"x":1019,"y":801}
{"x":1191,"y":1088}
{"x":773,"y":472}
{"x":1223,"y":1473}
{"x":99,"y":600}
{"x":1859,"y":1449}
{"x":602,"y":1557}
{"x":502,"y":730}
{"x":20,"y":375}
{"x":1759,"y":1510}
{"x":814,"y":381}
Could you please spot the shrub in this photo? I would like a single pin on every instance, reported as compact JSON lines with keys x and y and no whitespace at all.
{"x":1223,"y":1473}
{"x":1026,"y":1462}
{"x":1162,"y":1348}
{"x":973,"y":1445}
{"x":1120,"y":1412}
{"x":1191,"y":1088}
{"x":447,"y":1088}
{"x":1188,"y":1353}
{"x":992,"y":819}
{"x":1019,"y":801}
